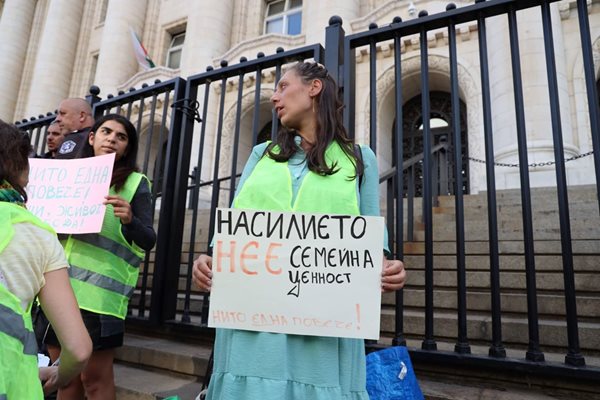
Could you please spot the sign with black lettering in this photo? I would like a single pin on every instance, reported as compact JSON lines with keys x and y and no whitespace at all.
{"x":298,"y":273}
{"x":69,"y":194}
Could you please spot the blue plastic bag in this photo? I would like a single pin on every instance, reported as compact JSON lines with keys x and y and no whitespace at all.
{"x":390,"y":375}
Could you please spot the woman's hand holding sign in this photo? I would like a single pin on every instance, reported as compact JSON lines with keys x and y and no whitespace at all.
{"x":393,"y":275}
{"x":121,"y":207}
{"x":201,"y":272}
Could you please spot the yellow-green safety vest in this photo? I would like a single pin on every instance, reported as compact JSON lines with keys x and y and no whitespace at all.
{"x":19,"y":377}
{"x":104,"y":266}
{"x":269,"y":187}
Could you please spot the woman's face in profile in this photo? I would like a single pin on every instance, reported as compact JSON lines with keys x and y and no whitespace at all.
{"x":291,"y":100}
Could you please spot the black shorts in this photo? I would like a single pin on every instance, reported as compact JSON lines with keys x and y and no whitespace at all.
{"x":105,"y":331}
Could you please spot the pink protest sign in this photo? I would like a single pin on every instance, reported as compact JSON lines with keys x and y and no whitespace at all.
{"x":68,"y":194}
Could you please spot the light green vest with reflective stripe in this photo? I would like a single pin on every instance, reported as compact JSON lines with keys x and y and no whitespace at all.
{"x":269,"y":187}
{"x":19,"y":378}
{"x":104,"y":266}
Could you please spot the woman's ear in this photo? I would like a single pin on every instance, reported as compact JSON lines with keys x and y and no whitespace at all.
{"x":91,"y":139}
{"x":316,"y":86}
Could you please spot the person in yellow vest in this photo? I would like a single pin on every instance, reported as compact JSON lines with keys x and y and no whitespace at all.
{"x":105,"y":266}
{"x":312,"y":167}
{"x":32,"y":262}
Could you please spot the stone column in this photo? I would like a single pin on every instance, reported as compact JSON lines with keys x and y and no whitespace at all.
{"x":15,"y":26}
{"x":316,"y":14}
{"x":208,"y":36}
{"x":116,"y":60}
{"x":55,"y":58}
{"x":536,"y":97}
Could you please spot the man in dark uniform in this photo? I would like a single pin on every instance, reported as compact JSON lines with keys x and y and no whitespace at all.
{"x":75,"y":120}
{"x":54,"y":139}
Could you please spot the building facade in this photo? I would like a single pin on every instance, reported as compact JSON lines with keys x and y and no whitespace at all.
{"x":53,"y":49}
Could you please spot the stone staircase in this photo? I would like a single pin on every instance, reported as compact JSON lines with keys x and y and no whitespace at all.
{"x":154,"y":368}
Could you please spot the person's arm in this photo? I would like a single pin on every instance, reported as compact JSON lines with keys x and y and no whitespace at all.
{"x":393,"y":274}
{"x":140,"y":230}
{"x":60,"y":306}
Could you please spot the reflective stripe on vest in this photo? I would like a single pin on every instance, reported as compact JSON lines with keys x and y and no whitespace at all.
{"x":104,"y":266}
{"x":100,"y":281}
{"x":12,"y":324}
{"x":116,"y":248}
{"x":269,"y":187}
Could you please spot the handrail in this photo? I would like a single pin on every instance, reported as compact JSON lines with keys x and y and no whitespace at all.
{"x":410,"y":162}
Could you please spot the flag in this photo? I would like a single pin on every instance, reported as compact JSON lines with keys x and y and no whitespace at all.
{"x":140,"y":51}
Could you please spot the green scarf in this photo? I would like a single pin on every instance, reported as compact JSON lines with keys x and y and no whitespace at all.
{"x":10,"y":195}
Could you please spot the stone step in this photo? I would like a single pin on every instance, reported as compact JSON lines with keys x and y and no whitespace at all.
{"x":151,"y":379}
{"x":507,"y":262}
{"x":548,"y":305}
{"x":552,"y":333}
{"x":133,"y":382}
{"x":551,"y":281}
{"x":539,"y":195}
{"x":512,"y":247}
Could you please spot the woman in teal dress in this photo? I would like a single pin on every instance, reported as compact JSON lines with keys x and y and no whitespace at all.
{"x":274,"y":366}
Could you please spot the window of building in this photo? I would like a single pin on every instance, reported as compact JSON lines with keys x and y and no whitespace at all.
{"x":284,"y":16}
{"x":102,"y":14}
{"x":175,"y":51}
{"x":93,"y":68}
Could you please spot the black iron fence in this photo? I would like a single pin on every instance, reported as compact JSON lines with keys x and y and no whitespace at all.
{"x":184,"y":129}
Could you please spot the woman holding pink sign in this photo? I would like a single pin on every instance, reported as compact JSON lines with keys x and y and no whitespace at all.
{"x":105,"y":266}
{"x":314,"y":167}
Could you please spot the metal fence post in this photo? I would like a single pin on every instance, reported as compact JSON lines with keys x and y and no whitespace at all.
{"x":334,"y":49}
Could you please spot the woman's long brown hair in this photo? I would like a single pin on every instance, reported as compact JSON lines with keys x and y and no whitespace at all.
{"x":330,"y":127}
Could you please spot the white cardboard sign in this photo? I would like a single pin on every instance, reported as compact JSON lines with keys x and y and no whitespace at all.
{"x":297,"y":273}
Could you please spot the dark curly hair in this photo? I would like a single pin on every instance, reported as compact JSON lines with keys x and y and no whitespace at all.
{"x":14,"y":151}
{"x":330,"y":125}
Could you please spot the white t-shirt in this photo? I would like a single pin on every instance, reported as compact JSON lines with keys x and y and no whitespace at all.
{"x":31,"y":253}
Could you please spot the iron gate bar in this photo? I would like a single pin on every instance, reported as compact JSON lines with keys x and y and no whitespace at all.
{"x":497,"y":348}
{"x":334,"y":41}
{"x":255,"y":116}
{"x":349,"y":87}
{"x":533,"y":351}
{"x":518,"y":366}
{"x":172,"y":209}
{"x":314,"y":51}
{"x":150,"y":131}
{"x":155,"y":194}
{"x":590,"y":82}
{"x":462,"y":342}
{"x":573,"y":356}
{"x":481,"y":9}
{"x":398,"y":230}
{"x":373,"y":92}
{"x":195,"y":194}
{"x":274,"y":117}
{"x":215,"y":193}
{"x":429,"y":341}
{"x":236,"y":137}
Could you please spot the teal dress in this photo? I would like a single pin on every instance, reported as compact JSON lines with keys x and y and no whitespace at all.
{"x":273,"y":366}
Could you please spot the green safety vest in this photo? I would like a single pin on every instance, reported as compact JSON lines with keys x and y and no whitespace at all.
{"x":269,"y":187}
{"x":19,"y":378}
{"x":104,"y":266}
